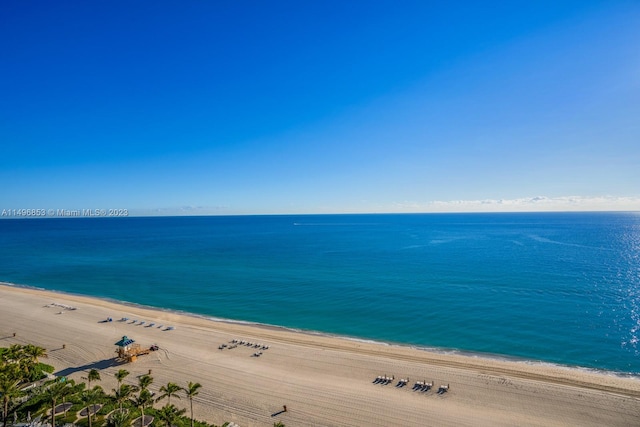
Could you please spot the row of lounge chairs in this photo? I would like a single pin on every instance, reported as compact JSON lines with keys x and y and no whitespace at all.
{"x":148,"y":325}
{"x":63,"y":306}
{"x":230,"y":347}
{"x":383,"y":379}
{"x":249,"y":344}
{"x":236,"y":342}
{"x":423,"y":386}
{"x":419,"y":386}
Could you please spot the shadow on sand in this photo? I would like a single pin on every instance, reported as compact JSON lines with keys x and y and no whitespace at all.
{"x":101,"y":364}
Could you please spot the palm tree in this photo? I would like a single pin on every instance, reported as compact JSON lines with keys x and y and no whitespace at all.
{"x":8,"y":390}
{"x":120,"y":419}
{"x":69,"y":390}
{"x":28,"y":357}
{"x":123,"y":394}
{"x":121,"y":375}
{"x":33,"y":352}
{"x":171,"y":389}
{"x":93,"y":375}
{"x":144,"y":398}
{"x":22,"y":359}
{"x":90,"y":398}
{"x":170,"y":414}
{"x":12,"y":354}
{"x":55,"y":391}
{"x":11,"y":371}
{"x":192,"y":391}
{"x":145,"y":381}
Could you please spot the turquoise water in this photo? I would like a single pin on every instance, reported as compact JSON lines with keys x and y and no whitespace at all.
{"x":555,"y":287}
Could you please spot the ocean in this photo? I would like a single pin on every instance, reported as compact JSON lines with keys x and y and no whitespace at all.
{"x":561,"y":288}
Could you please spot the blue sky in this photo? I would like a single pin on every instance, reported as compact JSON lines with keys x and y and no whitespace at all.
{"x":241,"y":107}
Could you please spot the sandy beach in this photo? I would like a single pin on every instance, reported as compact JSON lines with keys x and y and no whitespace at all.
{"x":323,"y":381}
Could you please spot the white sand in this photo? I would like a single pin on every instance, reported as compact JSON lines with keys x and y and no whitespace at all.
{"x":323,"y":381}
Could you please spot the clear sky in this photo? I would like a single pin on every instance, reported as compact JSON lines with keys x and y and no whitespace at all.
{"x":250,"y":107}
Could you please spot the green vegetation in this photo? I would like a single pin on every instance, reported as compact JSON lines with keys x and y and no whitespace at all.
{"x":192,"y":391}
{"x":171,"y":389}
{"x":26,"y":392}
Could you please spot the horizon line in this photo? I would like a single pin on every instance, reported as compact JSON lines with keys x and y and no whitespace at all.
{"x":202,"y":215}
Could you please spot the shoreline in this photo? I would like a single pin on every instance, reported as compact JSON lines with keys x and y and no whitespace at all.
{"x":433,"y":350}
{"x":324,"y":380}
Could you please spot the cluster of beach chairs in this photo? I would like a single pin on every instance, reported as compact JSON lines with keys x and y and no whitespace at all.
{"x":62,"y":306}
{"x":236,"y":342}
{"x":383,"y":380}
{"x":419,"y":386}
{"x":423,"y":386}
{"x":145,"y":324}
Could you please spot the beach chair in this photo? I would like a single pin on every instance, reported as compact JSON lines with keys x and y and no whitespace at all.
{"x":443,"y":389}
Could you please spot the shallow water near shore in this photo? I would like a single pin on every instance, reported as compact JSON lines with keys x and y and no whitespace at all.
{"x":555,"y":287}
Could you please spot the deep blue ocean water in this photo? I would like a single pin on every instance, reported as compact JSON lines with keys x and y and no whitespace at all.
{"x":554,"y":287}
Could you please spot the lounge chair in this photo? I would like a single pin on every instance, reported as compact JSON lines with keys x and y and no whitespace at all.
{"x":443,"y":389}
{"x":402,"y":383}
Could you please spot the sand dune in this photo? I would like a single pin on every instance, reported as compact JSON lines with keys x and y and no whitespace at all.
{"x":323,"y":381}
